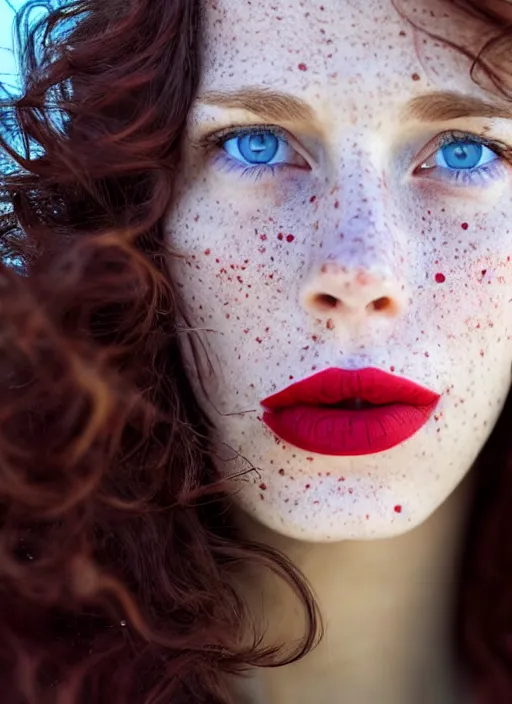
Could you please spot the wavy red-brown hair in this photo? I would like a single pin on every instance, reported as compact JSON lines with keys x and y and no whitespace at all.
{"x":118,"y":554}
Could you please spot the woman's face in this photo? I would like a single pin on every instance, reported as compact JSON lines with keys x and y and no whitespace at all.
{"x":339,"y":208}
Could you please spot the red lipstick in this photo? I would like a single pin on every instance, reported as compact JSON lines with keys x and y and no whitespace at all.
{"x":342,"y":412}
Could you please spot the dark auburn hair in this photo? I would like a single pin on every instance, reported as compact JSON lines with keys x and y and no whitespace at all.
{"x":118,"y":554}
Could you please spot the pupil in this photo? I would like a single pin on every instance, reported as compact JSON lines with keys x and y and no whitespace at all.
{"x":258,"y":148}
{"x":462,"y":156}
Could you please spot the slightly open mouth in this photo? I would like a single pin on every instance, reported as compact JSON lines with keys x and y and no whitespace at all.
{"x":352,"y":404}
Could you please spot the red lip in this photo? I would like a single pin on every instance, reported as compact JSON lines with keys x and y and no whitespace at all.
{"x":308,"y":414}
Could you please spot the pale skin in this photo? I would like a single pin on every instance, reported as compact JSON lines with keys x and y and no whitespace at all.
{"x":360,"y":202}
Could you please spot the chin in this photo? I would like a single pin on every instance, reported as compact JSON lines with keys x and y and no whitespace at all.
{"x":331,"y":524}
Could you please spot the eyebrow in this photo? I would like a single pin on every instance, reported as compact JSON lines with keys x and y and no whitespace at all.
{"x":268,"y":104}
{"x":276,"y":106}
{"x":448,"y":105}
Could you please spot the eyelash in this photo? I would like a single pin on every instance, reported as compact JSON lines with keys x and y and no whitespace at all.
{"x":214,"y":145}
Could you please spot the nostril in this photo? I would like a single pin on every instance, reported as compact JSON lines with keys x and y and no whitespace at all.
{"x":325,"y":301}
{"x":383,"y":303}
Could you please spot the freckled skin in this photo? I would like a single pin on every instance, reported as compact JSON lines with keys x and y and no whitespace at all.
{"x":359,"y":227}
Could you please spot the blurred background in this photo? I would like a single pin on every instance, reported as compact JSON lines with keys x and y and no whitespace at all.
{"x":7,"y":62}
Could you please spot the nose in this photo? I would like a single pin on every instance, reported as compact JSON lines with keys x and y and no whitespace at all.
{"x":347,"y":294}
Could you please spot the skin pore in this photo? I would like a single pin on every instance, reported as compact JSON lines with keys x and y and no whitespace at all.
{"x":362,"y":122}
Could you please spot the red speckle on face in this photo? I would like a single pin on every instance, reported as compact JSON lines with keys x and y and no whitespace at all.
{"x":308,"y":486}
{"x":259,"y":340}
{"x":392,"y":369}
{"x":302,"y":67}
{"x":290,"y":377}
{"x":263,"y":238}
{"x":281,"y":472}
{"x":207,"y":251}
{"x":312,"y":199}
{"x":484,"y":272}
{"x":415,"y":76}
{"x":398,"y":509}
{"x":280,"y":236}
{"x":440,"y":278}
{"x":336,"y":204}
{"x":263,"y":487}
{"x":329,"y":324}
{"x":262,"y":497}
{"x":290,"y":238}
{"x":464,"y":225}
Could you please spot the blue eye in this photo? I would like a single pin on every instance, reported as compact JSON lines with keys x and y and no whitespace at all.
{"x":256,"y":148}
{"x":465,"y":160}
{"x":464,"y":155}
{"x":257,"y":151}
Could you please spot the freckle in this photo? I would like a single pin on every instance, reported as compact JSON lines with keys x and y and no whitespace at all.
{"x":302,"y":67}
{"x":312,"y":199}
{"x":427,"y":354}
{"x":336,"y":204}
{"x":440,"y":278}
{"x":464,"y":225}
{"x":280,"y":236}
{"x":290,"y":238}
{"x":482,"y":353}
{"x":415,"y":76}
{"x":329,"y":324}
{"x":367,"y":516}
{"x":310,"y":459}
{"x":398,"y":509}
{"x":262,"y":497}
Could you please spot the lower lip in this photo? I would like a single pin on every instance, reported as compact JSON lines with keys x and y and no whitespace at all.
{"x":343,"y":432}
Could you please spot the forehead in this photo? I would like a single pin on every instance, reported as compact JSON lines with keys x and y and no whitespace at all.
{"x":309,"y":46}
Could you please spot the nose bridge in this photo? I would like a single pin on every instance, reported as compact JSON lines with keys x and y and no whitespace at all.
{"x":359,"y":273}
{"x":365,"y":234}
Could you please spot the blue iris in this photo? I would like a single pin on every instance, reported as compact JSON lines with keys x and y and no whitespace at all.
{"x":462,"y":155}
{"x":258,"y":147}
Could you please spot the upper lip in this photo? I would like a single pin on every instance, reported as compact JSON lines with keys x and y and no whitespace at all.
{"x":333,"y":386}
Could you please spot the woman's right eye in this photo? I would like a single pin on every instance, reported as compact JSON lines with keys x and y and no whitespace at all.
{"x":258,"y":151}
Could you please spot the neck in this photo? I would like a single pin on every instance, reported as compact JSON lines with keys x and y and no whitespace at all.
{"x":387,"y":606}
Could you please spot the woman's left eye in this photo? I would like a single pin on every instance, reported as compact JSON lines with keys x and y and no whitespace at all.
{"x":465,"y":160}
{"x":256,"y":151}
